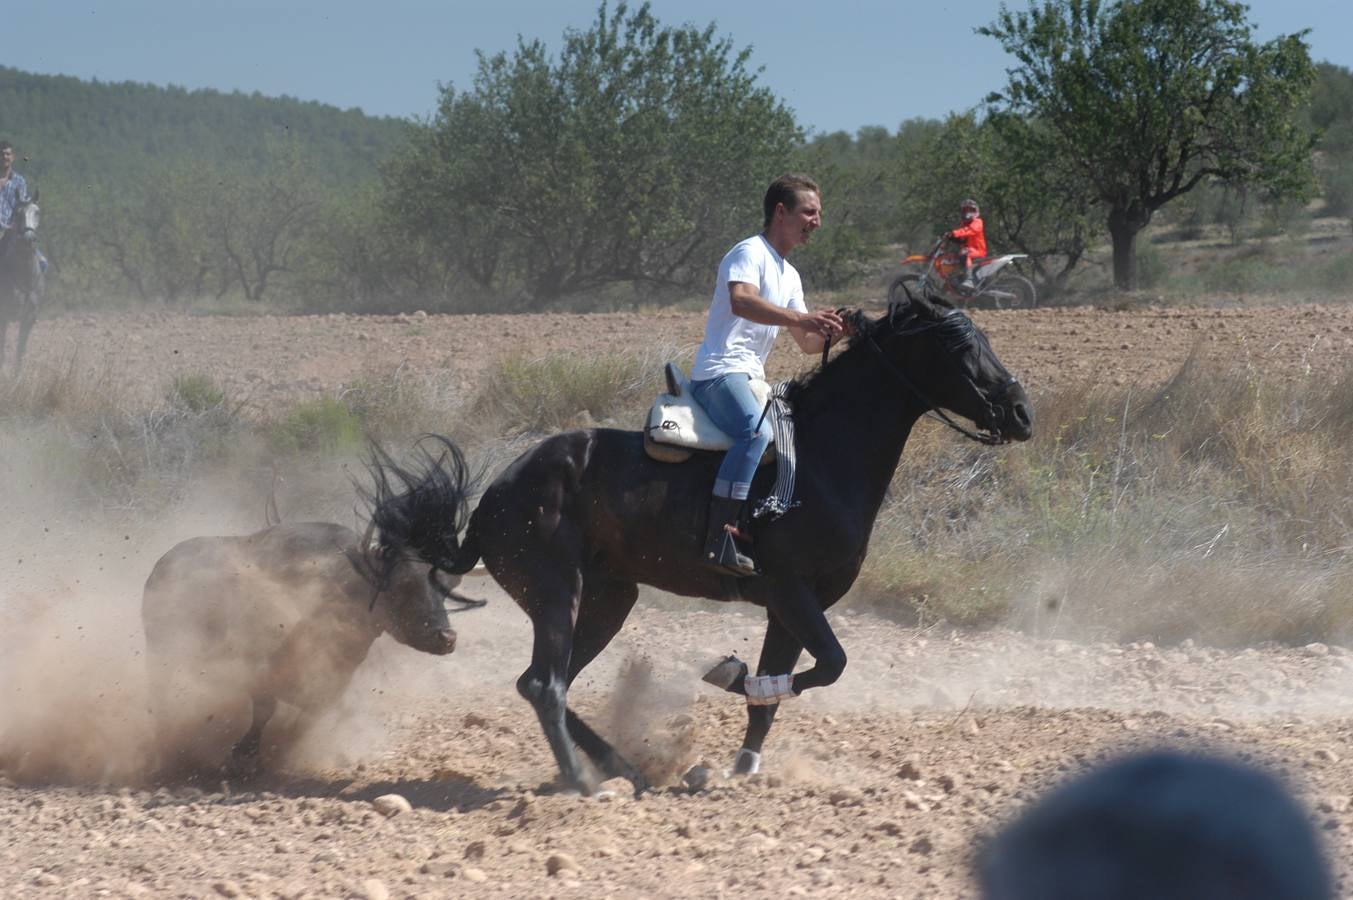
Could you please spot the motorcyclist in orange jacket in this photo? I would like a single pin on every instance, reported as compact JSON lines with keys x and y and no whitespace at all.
{"x":972,"y":235}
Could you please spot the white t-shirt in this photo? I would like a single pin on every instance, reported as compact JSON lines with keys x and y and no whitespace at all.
{"x":732,"y":343}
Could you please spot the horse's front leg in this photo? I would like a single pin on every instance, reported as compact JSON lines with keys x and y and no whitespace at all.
{"x":797,"y":621}
{"x":779,"y":653}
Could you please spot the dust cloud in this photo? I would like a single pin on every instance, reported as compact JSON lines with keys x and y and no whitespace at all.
{"x":77,"y":703}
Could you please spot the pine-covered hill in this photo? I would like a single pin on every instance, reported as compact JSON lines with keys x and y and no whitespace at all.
{"x":77,"y":131}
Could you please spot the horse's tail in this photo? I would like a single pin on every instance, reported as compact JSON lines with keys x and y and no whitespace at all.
{"x":422,"y":508}
{"x":468,"y":555}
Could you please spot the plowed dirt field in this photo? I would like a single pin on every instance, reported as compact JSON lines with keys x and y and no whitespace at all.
{"x":881,"y":785}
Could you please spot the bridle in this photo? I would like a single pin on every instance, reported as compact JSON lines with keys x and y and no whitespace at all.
{"x":965,"y":335}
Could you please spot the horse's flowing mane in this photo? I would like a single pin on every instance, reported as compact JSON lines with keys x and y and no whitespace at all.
{"x":420,"y":508}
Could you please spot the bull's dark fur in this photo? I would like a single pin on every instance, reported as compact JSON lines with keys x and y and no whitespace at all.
{"x":279,"y":615}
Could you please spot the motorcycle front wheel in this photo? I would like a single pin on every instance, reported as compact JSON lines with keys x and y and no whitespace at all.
{"x":1012,"y":292}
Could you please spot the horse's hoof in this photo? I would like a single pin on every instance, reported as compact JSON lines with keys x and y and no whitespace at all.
{"x":726,"y":673}
{"x":748,"y":762}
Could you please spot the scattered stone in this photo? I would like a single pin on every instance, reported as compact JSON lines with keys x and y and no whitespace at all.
{"x":478,"y":876}
{"x":475,"y":850}
{"x":910,"y":771}
{"x":390,"y":805}
{"x":696,"y":778}
{"x":1316,"y":649}
{"x":922,"y":846}
{"x":845,"y":797}
{"x":439,"y":868}
{"x":1324,"y":754}
{"x":811,"y":857}
{"x":557,"y":863}
{"x":375,"y":889}
{"x":228,"y":888}
{"x":475,"y":720}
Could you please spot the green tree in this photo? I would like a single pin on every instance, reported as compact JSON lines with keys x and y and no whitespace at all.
{"x":154,"y":237}
{"x":1147,"y":98}
{"x":1332,"y":113}
{"x":636,"y":157}
{"x":261,"y":219}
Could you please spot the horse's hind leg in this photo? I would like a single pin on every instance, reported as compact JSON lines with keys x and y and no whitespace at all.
{"x":604,"y":608}
{"x":550,"y":602}
{"x":780,"y":651}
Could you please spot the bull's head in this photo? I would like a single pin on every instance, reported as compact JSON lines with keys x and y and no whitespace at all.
{"x":411,"y":606}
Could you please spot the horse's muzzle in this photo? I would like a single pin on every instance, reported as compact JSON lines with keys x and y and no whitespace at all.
{"x":1012,"y":415}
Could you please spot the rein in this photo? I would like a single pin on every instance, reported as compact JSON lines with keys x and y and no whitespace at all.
{"x":935,"y":411}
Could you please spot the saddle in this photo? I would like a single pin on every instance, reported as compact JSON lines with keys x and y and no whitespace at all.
{"x":678,"y":426}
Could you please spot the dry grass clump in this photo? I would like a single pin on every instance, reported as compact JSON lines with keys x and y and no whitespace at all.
{"x":1214,"y":506}
{"x":402,"y":404}
{"x":541,"y":394}
{"x":88,"y":431}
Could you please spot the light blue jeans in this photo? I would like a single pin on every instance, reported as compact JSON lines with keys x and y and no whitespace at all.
{"x":731,"y":404}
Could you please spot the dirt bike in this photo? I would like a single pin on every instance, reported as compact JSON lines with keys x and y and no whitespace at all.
{"x":995,"y":284}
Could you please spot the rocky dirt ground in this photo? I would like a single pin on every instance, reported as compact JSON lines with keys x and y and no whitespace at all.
{"x":881,"y":785}
{"x":272,"y":360}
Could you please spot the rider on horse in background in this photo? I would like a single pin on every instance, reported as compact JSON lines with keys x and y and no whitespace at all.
{"x":13,"y":190}
{"x":972,"y":234}
{"x":756,"y":292}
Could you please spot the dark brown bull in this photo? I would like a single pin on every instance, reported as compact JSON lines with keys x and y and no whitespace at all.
{"x":287,"y":613}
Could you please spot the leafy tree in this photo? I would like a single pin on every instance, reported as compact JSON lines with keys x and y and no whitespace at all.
{"x":153,"y":237}
{"x":1147,"y":98}
{"x":261,"y":219}
{"x":637,"y":156}
{"x":1332,"y":113}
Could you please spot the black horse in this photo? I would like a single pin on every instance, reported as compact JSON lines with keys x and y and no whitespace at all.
{"x":573,"y":526}
{"x":21,"y":278}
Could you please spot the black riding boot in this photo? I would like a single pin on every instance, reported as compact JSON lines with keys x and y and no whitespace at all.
{"x":721,"y":547}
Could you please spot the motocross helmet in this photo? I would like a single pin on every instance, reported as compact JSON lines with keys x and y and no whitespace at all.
{"x":969,"y":210}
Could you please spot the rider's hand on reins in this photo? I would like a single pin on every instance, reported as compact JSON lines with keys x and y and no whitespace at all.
{"x":825,"y":322}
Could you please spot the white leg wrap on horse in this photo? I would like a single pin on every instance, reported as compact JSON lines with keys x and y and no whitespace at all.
{"x":748,"y":762}
{"x":768,"y":690}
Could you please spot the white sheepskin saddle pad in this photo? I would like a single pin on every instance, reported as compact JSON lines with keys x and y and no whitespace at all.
{"x":677,"y":425}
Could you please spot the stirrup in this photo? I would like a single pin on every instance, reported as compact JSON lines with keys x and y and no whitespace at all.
{"x":724,"y":554}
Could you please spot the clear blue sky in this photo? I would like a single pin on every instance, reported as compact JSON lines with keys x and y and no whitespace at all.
{"x":839,"y":65}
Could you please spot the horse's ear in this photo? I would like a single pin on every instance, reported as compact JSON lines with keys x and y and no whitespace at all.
{"x":931,"y":307}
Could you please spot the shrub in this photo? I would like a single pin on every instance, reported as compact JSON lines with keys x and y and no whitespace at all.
{"x":196,"y":393}
{"x":1212,"y":506}
{"x":320,"y":426}
{"x":543,"y":394}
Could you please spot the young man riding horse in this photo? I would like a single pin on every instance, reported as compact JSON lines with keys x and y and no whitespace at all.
{"x":13,"y":188}
{"x":755,"y":293}
{"x":21,"y":264}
